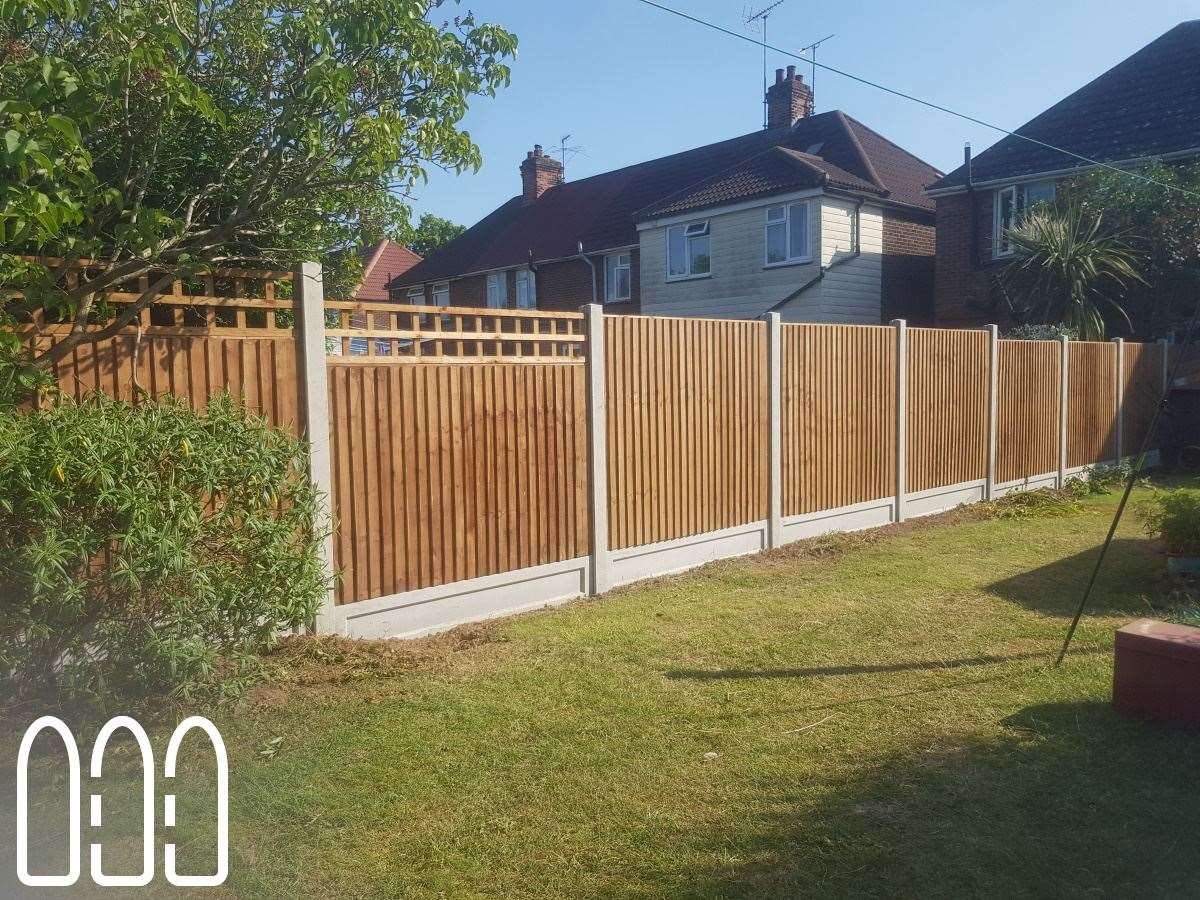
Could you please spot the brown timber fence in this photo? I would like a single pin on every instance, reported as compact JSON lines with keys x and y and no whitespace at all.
{"x":483,"y":461}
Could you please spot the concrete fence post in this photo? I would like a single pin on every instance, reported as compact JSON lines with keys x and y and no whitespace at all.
{"x":1064,"y":369}
{"x":309,"y":308}
{"x":993,"y":407}
{"x":901,"y":327}
{"x":1120,"y":395}
{"x":598,"y":448}
{"x":775,"y":429}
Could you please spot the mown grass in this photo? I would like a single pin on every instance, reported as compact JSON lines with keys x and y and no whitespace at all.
{"x":868,"y":715}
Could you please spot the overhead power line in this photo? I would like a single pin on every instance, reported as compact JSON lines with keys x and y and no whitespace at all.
{"x":927,"y":103}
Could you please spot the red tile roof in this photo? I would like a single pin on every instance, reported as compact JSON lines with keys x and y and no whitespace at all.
{"x":602,"y":211}
{"x":382,"y":263}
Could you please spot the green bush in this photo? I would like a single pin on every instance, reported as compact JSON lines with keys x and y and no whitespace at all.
{"x":150,"y":547}
{"x":1175,"y":517}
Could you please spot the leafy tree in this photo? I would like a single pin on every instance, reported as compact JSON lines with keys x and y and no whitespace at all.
{"x":159,"y":137}
{"x":1068,"y":270}
{"x":1162,"y":227}
{"x":433,"y":232}
{"x":149,"y":546}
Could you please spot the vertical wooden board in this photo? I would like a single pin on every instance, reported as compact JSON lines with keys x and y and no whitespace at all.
{"x":424,"y":446}
{"x":342,"y":462}
{"x":388,"y":489}
{"x":471,"y":415}
{"x":368,"y":462}
{"x":411,"y":468}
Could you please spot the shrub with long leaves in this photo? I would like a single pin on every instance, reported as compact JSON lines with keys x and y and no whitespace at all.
{"x":149,"y":547}
{"x":1068,"y":270}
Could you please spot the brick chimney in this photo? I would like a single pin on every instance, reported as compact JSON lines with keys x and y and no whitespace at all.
{"x":539,"y":173}
{"x":789,"y":99}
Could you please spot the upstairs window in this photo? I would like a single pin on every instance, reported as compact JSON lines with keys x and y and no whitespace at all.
{"x":416,"y":296}
{"x":497,"y":290}
{"x":1012,"y":204}
{"x":617,"y":280}
{"x":787,"y":234}
{"x":441,"y":293}
{"x":688,"y":251}
{"x":526,"y":289}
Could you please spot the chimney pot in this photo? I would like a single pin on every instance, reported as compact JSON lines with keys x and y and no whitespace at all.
{"x":537,"y":149}
{"x":779,"y":76}
{"x":791,"y":72}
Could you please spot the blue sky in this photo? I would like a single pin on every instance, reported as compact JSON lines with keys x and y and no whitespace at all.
{"x":630,"y":83}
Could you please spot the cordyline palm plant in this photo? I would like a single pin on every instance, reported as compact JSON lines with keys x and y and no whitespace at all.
{"x":1067,"y":271}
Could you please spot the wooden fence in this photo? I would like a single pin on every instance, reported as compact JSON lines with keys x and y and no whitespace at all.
{"x":449,"y":472}
{"x":462,"y":442}
{"x":217,"y":332}
{"x":687,"y":408}
{"x":1027,"y":432}
{"x":839,"y":415}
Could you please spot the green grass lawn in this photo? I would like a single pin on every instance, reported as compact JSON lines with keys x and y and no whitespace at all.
{"x":871,"y":715}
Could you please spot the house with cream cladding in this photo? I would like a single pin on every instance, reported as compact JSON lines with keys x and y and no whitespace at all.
{"x":816,"y":216}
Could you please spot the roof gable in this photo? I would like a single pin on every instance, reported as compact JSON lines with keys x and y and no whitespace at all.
{"x":1146,"y":106}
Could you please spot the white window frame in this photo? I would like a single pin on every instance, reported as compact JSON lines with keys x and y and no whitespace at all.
{"x":691,"y":231}
{"x":442,"y":288}
{"x":525,"y":279}
{"x":416,"y":292}
{"x":786,"y":222}
{"x":499,"y":280}
{"x":612,"y":265}
{"x":1001,"y":248}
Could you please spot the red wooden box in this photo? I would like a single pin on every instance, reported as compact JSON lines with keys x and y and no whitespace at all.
{"x":1157,"y":673}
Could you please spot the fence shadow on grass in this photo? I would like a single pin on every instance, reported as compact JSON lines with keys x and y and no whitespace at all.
{"x":932,"y":665}
{"x":1133,"y":570}
{"x":1069,"y":800}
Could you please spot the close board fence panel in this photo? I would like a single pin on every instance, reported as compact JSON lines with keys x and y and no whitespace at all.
{"x":1142,"y":375}
{"x":947,"y":407}
{"x":1091,"y":403}
{"x":224,"y":330}
{"x":443,"y":473}
{"x":839,"y":415}
{"x":1027,"y":410}
{"x":686,"y":424}
{"x":260,"y":372}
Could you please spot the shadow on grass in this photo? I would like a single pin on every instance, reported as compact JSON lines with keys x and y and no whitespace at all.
{"x":881,"y":669}
{"x":1132,"y":569}
{"x":1071,"y":800}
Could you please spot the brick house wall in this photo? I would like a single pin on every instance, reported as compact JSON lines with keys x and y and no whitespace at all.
{"x":907,"y":277}
{"x":964,"y":272}
{"x":562,"y":286}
